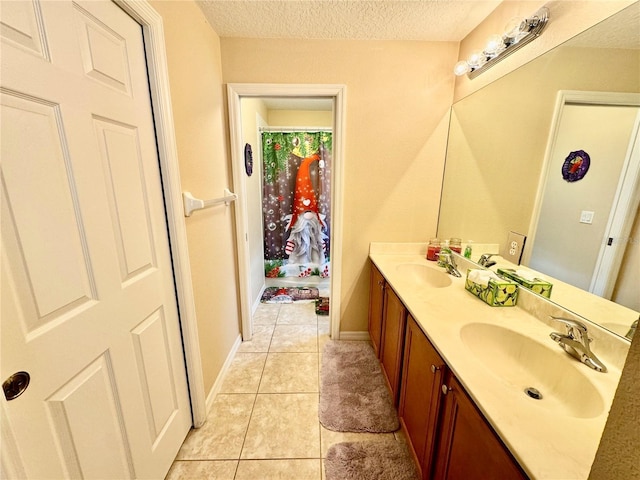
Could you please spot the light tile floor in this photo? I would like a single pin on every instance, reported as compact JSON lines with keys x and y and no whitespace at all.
{"x":263,"y":424}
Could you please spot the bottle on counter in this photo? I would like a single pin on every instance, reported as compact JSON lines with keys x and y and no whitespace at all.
{"x":433,"y":249}
{"x":467,"y":250}
{"x":455,"y":244}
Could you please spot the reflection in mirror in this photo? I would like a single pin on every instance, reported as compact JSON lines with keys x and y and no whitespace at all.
{"x":591,"y":200}
{"x":498,"y":143}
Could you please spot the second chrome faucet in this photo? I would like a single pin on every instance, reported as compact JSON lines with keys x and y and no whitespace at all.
{"x":449,"y":263}
{"x":576,"y":343}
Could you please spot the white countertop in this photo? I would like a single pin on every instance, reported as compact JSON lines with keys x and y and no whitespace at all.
{"x":548,"y":443}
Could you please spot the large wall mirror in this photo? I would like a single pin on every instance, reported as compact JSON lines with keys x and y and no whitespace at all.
{"x":499,"y":149}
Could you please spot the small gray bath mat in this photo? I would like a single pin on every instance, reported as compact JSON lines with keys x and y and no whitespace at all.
{"x":386,"y":460}
{"x":353,"y":393}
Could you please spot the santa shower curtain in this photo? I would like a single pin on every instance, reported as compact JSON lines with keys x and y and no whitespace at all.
{"x":296,"y":203}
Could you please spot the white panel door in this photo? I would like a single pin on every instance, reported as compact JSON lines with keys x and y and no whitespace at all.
{"x":88,"y":299}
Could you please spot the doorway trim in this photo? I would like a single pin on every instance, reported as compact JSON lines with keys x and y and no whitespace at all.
{"x":235,"y":92}
{"x":158,"y":72}
{"x":620,"y":222}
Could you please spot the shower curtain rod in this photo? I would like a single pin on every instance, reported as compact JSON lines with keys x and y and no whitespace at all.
{"x":295,"y":129}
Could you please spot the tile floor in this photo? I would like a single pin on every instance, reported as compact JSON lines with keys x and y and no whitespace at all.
{"x":264,"y":424}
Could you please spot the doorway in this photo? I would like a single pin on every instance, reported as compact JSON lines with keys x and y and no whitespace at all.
{"x":590,"y":186}
{"x":251,"y":244}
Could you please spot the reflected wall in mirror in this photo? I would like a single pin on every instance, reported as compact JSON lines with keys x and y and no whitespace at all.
{"x":594,"y":201}
{"x":498,"y":141}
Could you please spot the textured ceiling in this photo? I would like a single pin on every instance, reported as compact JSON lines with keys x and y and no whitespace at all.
{"x":428,"y":20}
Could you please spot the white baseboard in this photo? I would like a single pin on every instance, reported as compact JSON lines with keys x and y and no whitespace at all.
{"x":256,"y":302}
{"x":354,"y":336}
{"x":217,"y":385}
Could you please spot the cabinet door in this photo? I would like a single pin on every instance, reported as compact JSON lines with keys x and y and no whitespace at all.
{"x":468,"y":447}
{"x":422,"y":376}
{"x":393,"y":326}
{"x":376,"y":305}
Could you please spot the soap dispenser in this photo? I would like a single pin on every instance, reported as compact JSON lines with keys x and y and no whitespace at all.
{"x":467,"y":250}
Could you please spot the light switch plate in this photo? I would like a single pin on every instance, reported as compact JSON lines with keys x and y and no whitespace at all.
{"x":514,"y":247}
{"x":586,"y":217}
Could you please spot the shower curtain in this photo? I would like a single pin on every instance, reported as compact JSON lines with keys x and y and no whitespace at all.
{"x":302,"y":161}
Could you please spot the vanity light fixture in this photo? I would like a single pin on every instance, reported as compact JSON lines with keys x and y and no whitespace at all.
{"x":518,"y":32}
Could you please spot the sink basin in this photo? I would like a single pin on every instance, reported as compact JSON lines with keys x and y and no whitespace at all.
{"x":424,"y":274}
{"x":523,"y":362}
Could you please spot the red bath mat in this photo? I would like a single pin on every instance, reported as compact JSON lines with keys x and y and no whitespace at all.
{"x":288,"y":294}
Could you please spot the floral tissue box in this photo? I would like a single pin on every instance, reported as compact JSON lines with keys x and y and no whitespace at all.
{"x":536,"y":285}
{"x":491,"y":289}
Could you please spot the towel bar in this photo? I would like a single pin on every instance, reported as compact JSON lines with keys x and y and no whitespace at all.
{"x":191,"y":203}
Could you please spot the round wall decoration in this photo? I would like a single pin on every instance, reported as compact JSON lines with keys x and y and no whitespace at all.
{"x":575,"y":166}
{"x":248,"y":159}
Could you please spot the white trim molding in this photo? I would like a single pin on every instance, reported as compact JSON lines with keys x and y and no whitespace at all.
{"x":153,"y":33}
{"x":235,"y":92}
{"x":355,"y":336}
{"x":217,"y":385}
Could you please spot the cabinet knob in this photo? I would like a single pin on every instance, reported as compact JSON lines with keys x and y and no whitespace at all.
{"x":434,"y":369}
{"x":445,"y":389}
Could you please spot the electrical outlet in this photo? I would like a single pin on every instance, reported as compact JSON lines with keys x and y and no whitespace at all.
{"x":514,"y":247}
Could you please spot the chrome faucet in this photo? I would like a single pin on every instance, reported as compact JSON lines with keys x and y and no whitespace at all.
{"x":485,"y":260}
{"x":449,"y":263}
{"x":576,"y":343}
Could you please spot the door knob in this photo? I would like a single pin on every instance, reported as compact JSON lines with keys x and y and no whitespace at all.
{"x":15,"y":385}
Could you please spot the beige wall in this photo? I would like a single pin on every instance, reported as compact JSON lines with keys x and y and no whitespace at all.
{"x":397,"y":107}
{"x":193,"y":53}
{"x":300,"y":118}
{"x":617,"y":456}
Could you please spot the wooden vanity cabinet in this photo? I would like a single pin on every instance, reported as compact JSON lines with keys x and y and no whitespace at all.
{"x":467,"y":446}
{"x":376,"y":306}
{"x":394,"y":320}
{"x":420,"y":395}
{"x":447,"y":434}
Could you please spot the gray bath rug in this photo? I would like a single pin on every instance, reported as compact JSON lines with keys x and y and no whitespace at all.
{"x":388,"y":460}
{"x":353,"y":393}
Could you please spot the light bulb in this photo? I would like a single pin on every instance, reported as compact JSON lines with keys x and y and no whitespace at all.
{"x":477,"y":59}
{"x":515,"y":29}
{"x":494,"y":45}
{"x":461,"y":68}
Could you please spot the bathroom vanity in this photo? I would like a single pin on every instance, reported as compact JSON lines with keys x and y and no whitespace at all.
{"x":458,"y":370}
